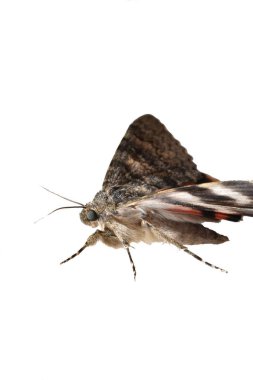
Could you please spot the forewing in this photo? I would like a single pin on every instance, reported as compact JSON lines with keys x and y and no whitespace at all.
{"x":150,"y":158}
{"x":228,"y":200}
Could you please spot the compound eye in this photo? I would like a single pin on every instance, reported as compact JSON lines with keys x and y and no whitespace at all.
{"x":92,"y":215}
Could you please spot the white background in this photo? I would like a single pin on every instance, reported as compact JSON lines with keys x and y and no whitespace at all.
{"x":74,"y":75}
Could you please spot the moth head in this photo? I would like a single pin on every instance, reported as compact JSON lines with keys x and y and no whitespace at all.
{"x":89,"y":216}
{"x":90,"y":213}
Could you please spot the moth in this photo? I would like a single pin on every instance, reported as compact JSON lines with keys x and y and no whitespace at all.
{"x":153,"y":192}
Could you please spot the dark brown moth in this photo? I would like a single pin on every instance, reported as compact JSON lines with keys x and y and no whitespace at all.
{"x":153,"y":192}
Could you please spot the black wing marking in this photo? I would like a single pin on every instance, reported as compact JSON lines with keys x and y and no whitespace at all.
{"x":179,"y":212}
{"x":228,"y":200}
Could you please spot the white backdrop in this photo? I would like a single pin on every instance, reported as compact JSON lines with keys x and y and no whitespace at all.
{"x":74,"y":75}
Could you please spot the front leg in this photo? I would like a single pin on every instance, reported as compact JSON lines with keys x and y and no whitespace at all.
{"x":108,"y":238}
{"x":92,"y":240}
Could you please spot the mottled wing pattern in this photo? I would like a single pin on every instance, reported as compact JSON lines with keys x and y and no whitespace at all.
{"x":150,"y":158}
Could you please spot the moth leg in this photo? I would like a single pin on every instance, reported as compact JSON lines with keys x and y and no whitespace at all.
{"x":92,"y":240}
{"x":184,"y":248}
{"x":132,"y":262}
{"x":114,"y":236}
{"x":112,"y":239}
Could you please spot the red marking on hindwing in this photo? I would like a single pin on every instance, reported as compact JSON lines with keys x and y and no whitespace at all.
{"x":220,"y":216}
{"x":186,"y":210}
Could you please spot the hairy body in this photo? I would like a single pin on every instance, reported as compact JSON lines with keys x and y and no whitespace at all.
{"x":153,"y":192}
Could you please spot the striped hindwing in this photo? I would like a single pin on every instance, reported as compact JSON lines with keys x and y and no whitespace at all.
{"x":179,"y":213}
{"x":208,"y":202}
